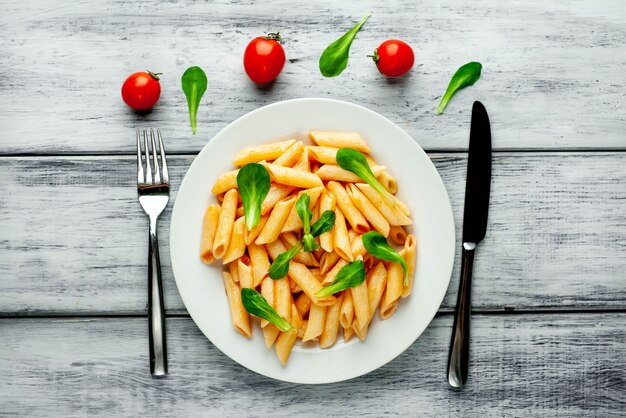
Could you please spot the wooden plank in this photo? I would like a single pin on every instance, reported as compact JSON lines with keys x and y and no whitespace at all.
{"x":74,"y":237}
{"x":552,"y":73}
{"x":566,"y":365}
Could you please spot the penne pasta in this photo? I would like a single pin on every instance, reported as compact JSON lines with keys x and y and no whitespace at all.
{"x":293,"y":177}
{"x":209,"y":226}
{"x":328,"y":261}
{"x":277,"y":193}
{"x":270,"y":333}
{"x":225,"y":224}
{"x":237,"y":246}
{"x":329,"y":172}
{"x":263,"y":152}
{"x":349,"y":210}
{"x":397,"y":234}
{"x":289,"y":240}
{"x":361,"y":305}
{"x":225,"y":182}
{"x":339,"y":140}
{"x":233,"y":269}
{"x":330,"y":276}
{"x":393,"y":214}
{"x":267,"y":291}
{"x":286,"y":340}
{"x":409,"y":252}
{"x":348,"y":333}
{"x":293,"y":221}
{"x":303,"y":304}
{"x":315,"y":326}
{"x":245,"y":275}
{"x":238,"y":315}
{"x":259,"y":260}
{"x":388,"y":182}
{"x":289,"y":157}
{"x":393,"y":290}
{"x":282,"y":297}
{"x":376,"y":281}
{"x":275,"y":222}
{"x":251,"y":235}
{"x":323,"y":155}
{"x":331,"y":324}
{"x":327,"y":239}
{"x":367,"y":208}
{"x":346,"y":312}
{"x":342,"y":240}
{"x":303,"y":162}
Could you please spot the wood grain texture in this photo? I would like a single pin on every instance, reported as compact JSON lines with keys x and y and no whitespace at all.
{"x":528,"y":365}
{"x":74,"y":236}
{"x":552,"y":78}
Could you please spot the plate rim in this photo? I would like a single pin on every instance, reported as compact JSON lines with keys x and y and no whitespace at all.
{"x":207,"y":148}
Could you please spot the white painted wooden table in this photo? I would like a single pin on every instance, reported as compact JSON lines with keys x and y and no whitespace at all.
{"x":549,"y":332}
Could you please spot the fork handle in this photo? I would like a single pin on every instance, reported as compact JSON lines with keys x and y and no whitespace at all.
{"x":156,"y":313}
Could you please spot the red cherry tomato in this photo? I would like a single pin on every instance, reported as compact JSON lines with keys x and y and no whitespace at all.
{"x":394,"y":58}
{"x":264,"y":58}
{"x":141,"y":90}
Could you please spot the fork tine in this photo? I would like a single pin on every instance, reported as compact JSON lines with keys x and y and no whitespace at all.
{"x":147,"y":154}
{"x":163,"y":162}
{"x":139,"y":163}
{"x":157,"y":173}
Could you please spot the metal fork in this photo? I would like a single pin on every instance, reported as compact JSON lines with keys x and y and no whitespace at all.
{"x":153,"y":194}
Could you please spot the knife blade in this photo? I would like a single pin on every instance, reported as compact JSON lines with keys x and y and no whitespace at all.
{"x":475,"y":214}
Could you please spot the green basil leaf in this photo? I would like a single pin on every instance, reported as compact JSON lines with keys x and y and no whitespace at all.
{"x":194,"y":83}
{"x":280,"y":266}
{"x":352,"y":160}
{"x":253,"y":182}
{"x":304,"y":213}
{"x":334,"y":59}
{"x":257,"y":305}
{"x":349,"y":276}
{"x":308,"y":241}
{"x":324,"y":224}
{"x":465,"y":76}
{"x":376,"y":244}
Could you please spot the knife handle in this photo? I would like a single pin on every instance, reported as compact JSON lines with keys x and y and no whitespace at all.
{"x":458,"y":357}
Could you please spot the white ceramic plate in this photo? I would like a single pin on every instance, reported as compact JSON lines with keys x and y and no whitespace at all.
{"x":420,"y":186}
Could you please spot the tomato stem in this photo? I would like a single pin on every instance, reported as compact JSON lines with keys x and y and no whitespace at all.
{"x":274,"y":37}
{"x":154,"y":75}
{"x":375,"y":56}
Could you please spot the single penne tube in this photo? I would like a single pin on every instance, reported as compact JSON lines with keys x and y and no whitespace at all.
{"x":293,"y":177}
{"x":357,"y":247}
{"x":293,"y":222}
{"x":302,"y":328}
{"x":388,"y":182}
{"x":300,"y":273}
{"x":346,"y":312}
{"x":348,"y":333}
{"x":329,"y":172}
{"x":393,"y":214}
{"x":233,"y":269}
{"x":303,"y":162}
{"x":327,"y":261}
{"x":237,"y":246}
{"x":376,"y":281}
{"x":349,"y":210}
{"x":225,"y":224}
{"x":342,"y":240}
{"x":331,"y":324}
{"x":332,"y":273}
{"x":327,"y":239}
{"x":263,"y":152}
{"x":267,"y":291}
{"x":315,"y":212}
{"x":303,"y":304}
{"x":209,"y":227}
{"x":323,"y":155}
{"x":315,"y":326}
{"x":225,"y":182}
{"x":289,"y":157}
{"x":293,"y":286}
{"x":260,"y":263}
{"x":369,"y":211}
{"x":361,"y":304}
{"x":238,"y":315}
{"x":339,"y":140}
{"x":289,"y":240}
{"x":276,"y":193}
{"x":397,"y":234}
{"x":409,"y":252}
{"x":286,"y":340}
{"x":245,"y":275}
{"x":251,"y":235}
{"x":282,"y":297}
{"x":275,"y":222}
{"x":270,"y":333}
{"x":393,"y":290}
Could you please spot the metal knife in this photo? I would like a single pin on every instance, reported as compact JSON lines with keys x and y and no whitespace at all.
{"x":477,"y":189}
